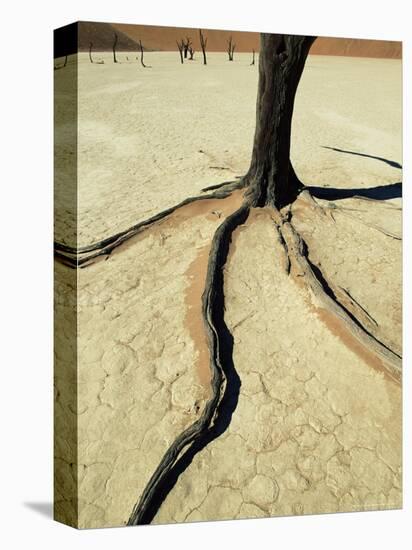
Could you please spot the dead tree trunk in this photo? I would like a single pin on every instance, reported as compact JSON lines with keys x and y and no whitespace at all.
{"x":230,"y":48}
{"x":253,"y":58}
{"x":192,"y":53}
{"x":65,"y":61}
{"x":186,"y":45}
{"x":203,"y":44}
{"x":141,"y":55}
{"x":90,"y":52}
{"x":271,"y":179}
{"x":180,"y":46}
{"x":114,"y":48}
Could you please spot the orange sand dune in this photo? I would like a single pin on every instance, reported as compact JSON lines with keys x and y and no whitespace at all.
{"x":164,"y":38}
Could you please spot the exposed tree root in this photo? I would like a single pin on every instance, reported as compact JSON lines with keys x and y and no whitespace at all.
{"x":323,"y":293}
{"x":329,"y":209}
{"x":85,"y":255}
{"x":225,"y":383}
{"x":214,"y":418}
{"x":232,"y":185}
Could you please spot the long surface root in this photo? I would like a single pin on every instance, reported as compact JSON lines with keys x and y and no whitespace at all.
{"x":215,"y":416}
{"x":85,"y":255}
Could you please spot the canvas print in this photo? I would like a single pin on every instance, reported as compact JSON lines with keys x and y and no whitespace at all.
{"x":228,"y":275}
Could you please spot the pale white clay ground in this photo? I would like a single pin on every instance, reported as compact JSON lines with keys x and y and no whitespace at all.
{"x":301,"y":440}
{"x":316,"y":429}
{"x":140,"y":130}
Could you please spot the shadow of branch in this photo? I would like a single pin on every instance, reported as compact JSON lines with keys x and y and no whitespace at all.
{"x":392,"y":163}
{"x":379,"y":193}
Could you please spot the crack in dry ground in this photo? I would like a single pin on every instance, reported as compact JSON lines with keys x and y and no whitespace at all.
{"x":239,"y":497}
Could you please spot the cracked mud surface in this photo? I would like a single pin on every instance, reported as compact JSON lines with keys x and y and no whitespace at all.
{"x":301,"y":439}
{"x":139,"y":382}
{"x":137,"y":133}
{"x":359,"y":259}
{"x":316,"y":429}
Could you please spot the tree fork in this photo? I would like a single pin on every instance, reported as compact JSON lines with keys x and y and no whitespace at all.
{"x":271,"y":178}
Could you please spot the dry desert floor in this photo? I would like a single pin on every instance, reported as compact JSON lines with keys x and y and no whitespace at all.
{"x":313,"y":418}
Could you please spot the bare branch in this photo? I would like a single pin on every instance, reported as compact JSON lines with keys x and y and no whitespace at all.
{"x":114,"y":48}
{"x":186,"y":45}
{"x":141,"y":56}
{"x":180,"y":46}
{"x":253,"y":58}
{"x":203,"y":44}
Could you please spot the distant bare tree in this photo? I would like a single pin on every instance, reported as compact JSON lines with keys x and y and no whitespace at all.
{"x":90,"y":52}
{"x":114,"y":48}
{"x":203,"y":44}
{"x":192,"y":53}
{"x":253,"y":58}
{"x":231,"y":48}
{"x":180,"y":46}
{"x":56,"y":67}
{"x":141,"y":56}
{"x":186,"y":45}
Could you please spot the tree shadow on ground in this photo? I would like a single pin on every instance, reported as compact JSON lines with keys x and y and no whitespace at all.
{"x":379,"y":193}
{"x":392,"y":163}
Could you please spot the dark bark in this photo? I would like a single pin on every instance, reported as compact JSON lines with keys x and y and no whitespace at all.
{"x":186,"y":46}
{"x":141,"y":55}
{"x":230,"y":48}
{"x":180,"y":46}
{"x":114,"y":48}
{"x":90,"y":52}
{"x":218,"y":410}
{"x":253,"y":58}
{"x":203,"y":44}
{"x":192,"y":53}
{"x":271,"y":178}
{"x":85,"y":255}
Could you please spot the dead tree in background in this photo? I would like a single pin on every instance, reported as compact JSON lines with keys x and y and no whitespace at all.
{"x":61,"y":66}
{"x":114,"y":48}
{"x":192,"y":53}
{"x":180,"y":46}
{"x":253,"y":58}
{"x":90,"y":52}
{"x":186,"y":45}
{"x":230,"y":48}
{"x":141,"y":56}
{"x":203,"y":44}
